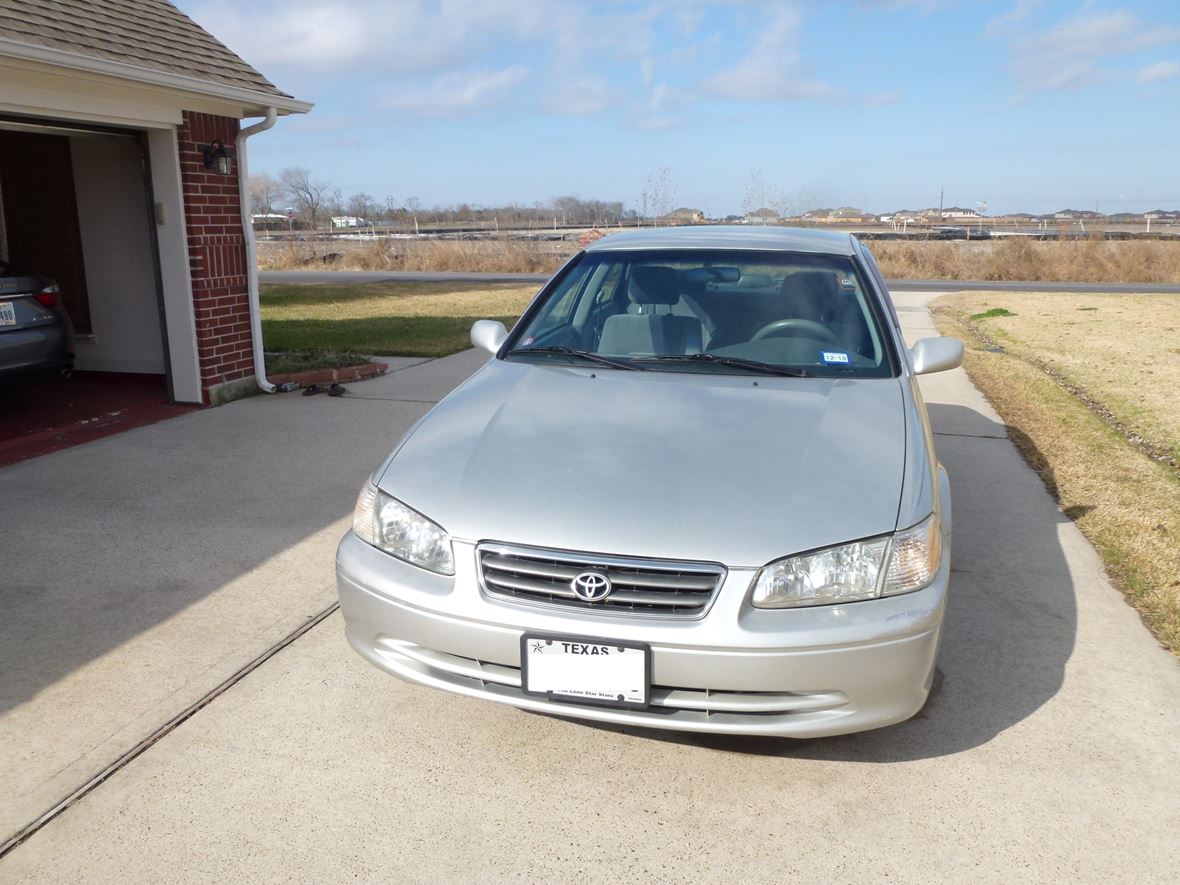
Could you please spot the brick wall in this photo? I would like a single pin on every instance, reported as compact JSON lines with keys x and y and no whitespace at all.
{"x":217,"y":254}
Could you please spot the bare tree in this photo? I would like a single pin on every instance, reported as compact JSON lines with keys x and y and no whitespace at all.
{"x":660,"y":193}
{"x":307,"y":194}
{"x":265,"y":191}
{"x":758,"y":192}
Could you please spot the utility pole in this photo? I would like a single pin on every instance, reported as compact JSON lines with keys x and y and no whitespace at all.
{"x":940,"y":193}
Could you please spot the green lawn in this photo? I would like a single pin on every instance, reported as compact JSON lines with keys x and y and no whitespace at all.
{"x":387,"y":319}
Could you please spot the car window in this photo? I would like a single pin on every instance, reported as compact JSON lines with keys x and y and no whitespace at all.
{"x":694,"y":310}
{"x":558,"y":310}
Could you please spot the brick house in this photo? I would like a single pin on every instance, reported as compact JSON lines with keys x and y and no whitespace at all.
{"x":123,"y":169}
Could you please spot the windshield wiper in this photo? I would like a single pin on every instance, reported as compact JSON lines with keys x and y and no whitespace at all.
{"x":735,"y":362}
{"x":582,"y":354}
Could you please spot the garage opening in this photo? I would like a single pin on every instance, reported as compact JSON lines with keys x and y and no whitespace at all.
{"x":76,"y":207}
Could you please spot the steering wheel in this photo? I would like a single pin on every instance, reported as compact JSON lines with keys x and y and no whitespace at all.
{"x":796,"y":328}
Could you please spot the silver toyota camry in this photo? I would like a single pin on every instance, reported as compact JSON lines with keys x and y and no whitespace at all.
{"x":694,"y":488}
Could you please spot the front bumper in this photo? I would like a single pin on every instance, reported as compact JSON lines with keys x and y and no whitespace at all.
{"x":807,"y":672}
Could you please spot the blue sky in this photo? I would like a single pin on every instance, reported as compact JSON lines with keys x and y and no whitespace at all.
{"x":1031,"y":106}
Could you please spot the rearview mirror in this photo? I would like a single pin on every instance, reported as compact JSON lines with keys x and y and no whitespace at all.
{"x":936,"y":355}
{"x":712,"y":274}
{"x":488,"y":335}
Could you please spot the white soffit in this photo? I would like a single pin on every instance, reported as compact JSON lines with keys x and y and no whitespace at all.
{"x":52,"y":80}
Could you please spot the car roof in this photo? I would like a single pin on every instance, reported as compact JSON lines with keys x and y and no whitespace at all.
{"x":785,"y":239}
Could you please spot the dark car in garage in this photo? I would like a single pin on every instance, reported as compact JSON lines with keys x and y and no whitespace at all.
{"x":36,"y":336}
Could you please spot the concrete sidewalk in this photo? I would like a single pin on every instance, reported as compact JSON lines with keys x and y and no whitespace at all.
{"x":1047,"y":752}
{"x":141,"y":570}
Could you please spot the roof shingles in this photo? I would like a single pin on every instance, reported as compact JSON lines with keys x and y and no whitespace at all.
{"x":151,"y":34}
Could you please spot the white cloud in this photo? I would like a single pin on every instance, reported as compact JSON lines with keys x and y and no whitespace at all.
{"x":688,"y":19}
{"x":412,"y":36}
{"x":458,"y":91}
{"x":772,"y":70}
{"x":1007,"y":20}
{"x":658,"y":122}
{"x":585,"y":95}
{"x":1163,"y":70}
{"x":662,"y":109}
{"x":1072,"y":54}
{"x":922,"y":5}
{"x":881,"y":99}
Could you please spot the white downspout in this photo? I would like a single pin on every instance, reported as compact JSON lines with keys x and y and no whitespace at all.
{"x":251,"y":254}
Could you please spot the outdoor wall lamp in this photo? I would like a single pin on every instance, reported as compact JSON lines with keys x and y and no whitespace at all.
{"x":216,"y":156}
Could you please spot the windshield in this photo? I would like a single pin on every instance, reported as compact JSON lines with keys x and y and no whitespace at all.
{"x":688,"y":310}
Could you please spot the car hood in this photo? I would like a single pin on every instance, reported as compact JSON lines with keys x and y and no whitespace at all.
{"x":738,"y":469}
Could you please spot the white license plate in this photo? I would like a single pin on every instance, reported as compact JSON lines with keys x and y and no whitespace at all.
{"x":7,"y":314}
{"x":597,"y":671}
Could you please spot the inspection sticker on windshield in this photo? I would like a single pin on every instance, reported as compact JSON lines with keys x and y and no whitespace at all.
{"x":847,"y":283}
{"x":7,"y":314}
{"x":596,"y":671}
{"x":834,"y":357}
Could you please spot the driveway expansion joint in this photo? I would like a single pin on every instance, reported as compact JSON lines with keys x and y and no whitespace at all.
{"x":31,"y":828}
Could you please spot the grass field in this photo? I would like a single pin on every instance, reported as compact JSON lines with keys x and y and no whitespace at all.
{"x":1071,"y":261}
{"x":1087,"y":384}
{"x":403,"y":319}
{"x":1082,"y":261}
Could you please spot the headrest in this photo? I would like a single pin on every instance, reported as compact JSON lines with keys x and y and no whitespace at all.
{"x":654,"y":284}
{"x":809,"y":293}
{"x":812,"y":282}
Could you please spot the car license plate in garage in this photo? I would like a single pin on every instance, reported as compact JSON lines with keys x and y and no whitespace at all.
{"x":7,"y":314}
{"x":597,"y":671}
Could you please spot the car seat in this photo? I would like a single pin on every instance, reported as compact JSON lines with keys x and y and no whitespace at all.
{"x":644,"y":329}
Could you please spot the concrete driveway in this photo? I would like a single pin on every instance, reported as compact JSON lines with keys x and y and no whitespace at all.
{"x":152,"y":565}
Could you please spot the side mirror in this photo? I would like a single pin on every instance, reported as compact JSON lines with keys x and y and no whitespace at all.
{"x":488,"y":335}
{"x":936,"y":355}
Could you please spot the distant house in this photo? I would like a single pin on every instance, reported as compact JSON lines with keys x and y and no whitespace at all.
{"x":268,"y":221}
{"x":955,"y":213}
{"x":1076,"y":214}
{"x":683,"y":216}
{"x":843,"y":215}
{"x":849,"y":215}
{"x":761,"y":216}
{"x":345,"y":221}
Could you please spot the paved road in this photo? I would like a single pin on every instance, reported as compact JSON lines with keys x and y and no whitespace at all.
{"x":926,"y":286}
{"x":1048,"y":751}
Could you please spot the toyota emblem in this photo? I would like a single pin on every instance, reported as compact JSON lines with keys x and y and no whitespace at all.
{"x":591,"y":586}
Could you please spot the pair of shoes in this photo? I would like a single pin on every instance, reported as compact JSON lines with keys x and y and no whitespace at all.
{"x":337,"y":389}
{"x":312,"y":390}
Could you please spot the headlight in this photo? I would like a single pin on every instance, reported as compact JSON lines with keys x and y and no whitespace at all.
{"x":862,"y":570}
{"x":390,"y":525}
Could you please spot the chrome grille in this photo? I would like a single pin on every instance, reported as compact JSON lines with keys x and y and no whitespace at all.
{"x":639,"y":586}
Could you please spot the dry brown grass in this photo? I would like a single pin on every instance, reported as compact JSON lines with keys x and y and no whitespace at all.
{"x":469,"y":256}
{"x":1081,"y":261}
{"x":1125,"y":502}
{"x":1075,"y":261}
{"x":1124,"y":350}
